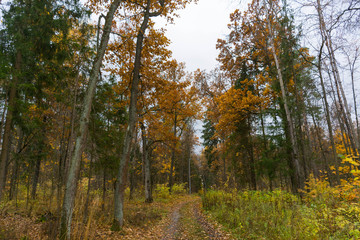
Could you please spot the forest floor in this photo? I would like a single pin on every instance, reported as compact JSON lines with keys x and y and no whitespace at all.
{"x":187,"y":221}
{"x":178,"y":218}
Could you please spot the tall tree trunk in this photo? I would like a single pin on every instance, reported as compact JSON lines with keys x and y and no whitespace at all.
{"x":71,"y":181}
{"x":66,"y":152}
{"x":3,"y":118}
{"x":132,"y":177}
{"x":36,"y":175}
{"x":171,"y":178}
{"x":299,"y":181}
{"x":352,"y":72}
{"x":147,"y":172}
{"x":250,"y":150}
{"x":15,"y":171}
{"x":126,"y":151}
{"x":320,"y":141}
{"x":327,"y":115}
{"x":340,"y":115}
{"x":61,"y":165}
{"x":189,"y":172}
{"x":309,"y":146}
{"x":40,"y":146}
{"x":87,"y":201}
{"x":8,"y":123}
{"x":224,"y":163}
{"x":340,"y":90}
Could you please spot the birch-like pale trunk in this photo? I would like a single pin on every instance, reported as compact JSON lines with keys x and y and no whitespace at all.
{"x":327,"y":115}
{"x":72,"y":177}
{"x":294,"y":151}
{"x":336,"y":75}
{"x":3,"y":118}
{"x":352,"y":74}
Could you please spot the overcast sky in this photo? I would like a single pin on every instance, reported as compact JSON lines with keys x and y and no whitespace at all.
{"x":195,"y":33}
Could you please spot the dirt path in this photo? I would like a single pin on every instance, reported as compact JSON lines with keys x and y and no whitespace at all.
{"x":188,"y":222}
{"x":173,"y":228}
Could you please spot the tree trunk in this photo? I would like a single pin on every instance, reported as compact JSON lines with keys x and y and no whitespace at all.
{"x":299,"y":181}
{"x":36,"y":175}
{"x":126,"y":151}
{"x":171,"y":178}
{"x":147,"y":172}
{"x":71,"y":181}
{"x":8,"y":123}
{"x":309,"y":145}
{"x":250,"y":150}
{"x":224,"y":163}
{"x":189,"y":173}
{"x":132,"y":177}
{"x":15,"y":171}
{"x":3,"y":118}
{"x":327,"y":168}
{"x":352,"y":71}
{"x":87,"y":201}
{"x":327,"y":115}
{"x":340,"y":91}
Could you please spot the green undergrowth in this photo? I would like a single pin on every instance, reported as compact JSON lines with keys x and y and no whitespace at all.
{"x":281,"y":215}
{"x":162,"y":193}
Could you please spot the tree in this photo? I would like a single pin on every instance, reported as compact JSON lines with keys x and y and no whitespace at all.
{"x":267,"y":73}
{"x":31,"y":28}
{"x":71,"y":180}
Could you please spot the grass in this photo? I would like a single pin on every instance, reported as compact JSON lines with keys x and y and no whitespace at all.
{"x":190,"y":228}
{"x":281,"y":215}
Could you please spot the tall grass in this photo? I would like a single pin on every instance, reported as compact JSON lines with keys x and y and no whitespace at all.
{"x":279,"y":215}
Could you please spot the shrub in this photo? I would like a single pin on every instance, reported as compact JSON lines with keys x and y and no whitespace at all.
{"x":259,"y":215}
{"x":178,"y":189}
{"x":161,"y":191}
{"x":325,"y":212}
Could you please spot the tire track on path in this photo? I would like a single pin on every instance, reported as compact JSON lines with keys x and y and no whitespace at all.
{"x":191,"y":210}
{"x":173,"y":228}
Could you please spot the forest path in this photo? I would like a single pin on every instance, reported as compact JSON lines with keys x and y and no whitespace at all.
{"x":186,"y":221}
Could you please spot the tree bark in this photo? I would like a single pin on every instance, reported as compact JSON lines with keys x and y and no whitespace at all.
{"x":340,"y":90}
{"x":327,"y":115}
{"x":250,"y":150}
{"x":15,"y":171}
{"x":8,"y":122}
{"x":352,"y":72}
{"x":126,"y":151}
{"x":189,"y":173}
{"x":320,"y":141}
{"x":171,"y":178}
{"x":87,"y":201}
{"x":71,"y":181}
{"x":299,"y":181}
{"x":309,"y":150}
{"x":147,"y":172}
{"x":3,"y":118}
{"x":36,"y":175}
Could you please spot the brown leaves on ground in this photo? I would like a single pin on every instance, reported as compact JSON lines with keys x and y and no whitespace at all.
{"x":188,"y":222}
{"x":180,"y":218}
{"x":16,"y":226}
